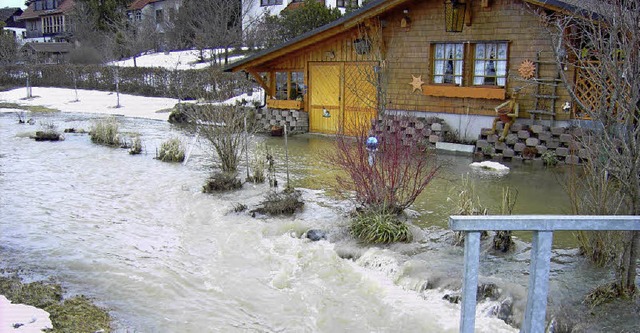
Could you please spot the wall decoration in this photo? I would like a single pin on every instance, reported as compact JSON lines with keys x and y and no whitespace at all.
{"x":527,"y":69}
{"x":416,"y":83}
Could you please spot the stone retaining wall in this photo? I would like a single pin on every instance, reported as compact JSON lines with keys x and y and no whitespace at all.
{"x":536,"y":144}
{"x":419,"y":129}
{"x":297,"y":121}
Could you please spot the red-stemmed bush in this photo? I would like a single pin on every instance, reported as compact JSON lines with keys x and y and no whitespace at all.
{"x":402,"y":167}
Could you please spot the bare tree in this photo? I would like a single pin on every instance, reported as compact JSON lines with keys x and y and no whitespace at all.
{"x":8,"y":46}
{"x":601,"y":41}
{"x":133,"y":38}
{"x":212,"y":24}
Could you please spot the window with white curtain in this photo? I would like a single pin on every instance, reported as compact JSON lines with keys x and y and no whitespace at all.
{"x":490,"y":64}
{"x":448,"y":60}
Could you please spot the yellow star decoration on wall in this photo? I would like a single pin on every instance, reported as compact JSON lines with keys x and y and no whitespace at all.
{"x":416,"y":83}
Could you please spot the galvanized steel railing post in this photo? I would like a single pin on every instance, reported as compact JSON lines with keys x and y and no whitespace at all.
{"x":534,"y":315}
{"x":542,"y":227}
{"x":470,"y":282}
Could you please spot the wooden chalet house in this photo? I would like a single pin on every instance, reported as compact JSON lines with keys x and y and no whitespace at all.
{"x":454,"y":60}
{"x":47,"y":20}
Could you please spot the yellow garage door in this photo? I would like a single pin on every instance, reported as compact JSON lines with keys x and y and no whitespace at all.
{"x":343,"y":97}
{"x":325,"y":115}
{"x":360,"y":97}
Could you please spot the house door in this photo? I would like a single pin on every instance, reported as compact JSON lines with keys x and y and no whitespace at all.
{"x":360,"y":97}
{"x":325,"y":115}
{"x":343,"y":97}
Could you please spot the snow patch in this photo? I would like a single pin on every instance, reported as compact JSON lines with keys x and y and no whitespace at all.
{"x":22,"y":318}
{"x":491,"y":166}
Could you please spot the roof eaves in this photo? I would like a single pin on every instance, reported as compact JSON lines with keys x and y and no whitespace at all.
{"x":343,"y":20}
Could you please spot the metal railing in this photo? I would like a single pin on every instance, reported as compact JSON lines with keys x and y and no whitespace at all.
{"x":543,"y":227}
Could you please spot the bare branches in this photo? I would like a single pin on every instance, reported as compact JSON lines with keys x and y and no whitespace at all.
{"x":602,"y":45}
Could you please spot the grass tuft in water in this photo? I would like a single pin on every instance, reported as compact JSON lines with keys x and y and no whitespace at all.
{"x":136,"y":146}
{"x":171,"y":150}
{"x":379,"y":227}
{"x":105,"y":132}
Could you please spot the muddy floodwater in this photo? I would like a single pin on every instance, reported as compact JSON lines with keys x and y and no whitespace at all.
{"x":140,"y":238}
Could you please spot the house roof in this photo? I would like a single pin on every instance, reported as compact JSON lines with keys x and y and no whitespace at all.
{"x":371,"y":9}
{"x":344,"y":23}
{"x":139,"y":4}
{"x":50,"y":47}
{"x":31,"y":13}
{"x":7,"y":12}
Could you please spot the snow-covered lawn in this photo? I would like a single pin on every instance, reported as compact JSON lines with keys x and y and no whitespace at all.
{"x":181,"y":60}
{"x":93,"y":101}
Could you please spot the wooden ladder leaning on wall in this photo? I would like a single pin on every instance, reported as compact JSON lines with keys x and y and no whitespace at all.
{"x":546,"y":92}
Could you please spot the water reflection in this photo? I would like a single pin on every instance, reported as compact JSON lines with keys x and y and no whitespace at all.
{"x":539,"y":189}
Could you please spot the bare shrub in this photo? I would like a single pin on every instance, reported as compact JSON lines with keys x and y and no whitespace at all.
{"x":400,"y":171}
{"x":466,"y":202}
{"x":600,"y":44}
{"x":222,"y":181}
{"x":286,"y":202}
{"x":258,"y":165}
{"x":49,"y":132}
{"x":223,"y":128}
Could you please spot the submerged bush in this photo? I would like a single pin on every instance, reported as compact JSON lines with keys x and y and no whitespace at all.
{"x":105,"y":132}
{"x":379,"y":227}
{"x":136,"y":146}
{"x":171,"y":150}
{"x":222,"y":181}
{"x":258,"y":165}
{"x":281,"y":203}
{"x":49,"y":132}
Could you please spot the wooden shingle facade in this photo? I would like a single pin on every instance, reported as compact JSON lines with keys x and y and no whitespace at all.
{"x":395,"y":55}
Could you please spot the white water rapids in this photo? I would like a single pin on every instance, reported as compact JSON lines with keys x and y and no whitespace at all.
{"x":140,"y":238}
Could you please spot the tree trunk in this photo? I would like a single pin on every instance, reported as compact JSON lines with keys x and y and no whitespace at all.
{"x":630,"y":259}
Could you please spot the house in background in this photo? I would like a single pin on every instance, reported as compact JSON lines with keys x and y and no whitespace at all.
{"x":452,"y":60}
{"x":253,"y":10}
{"x":9,"y":16}
{"x":47,"y":20}
{"x":158,"y":12}
{"x":46,"y":53}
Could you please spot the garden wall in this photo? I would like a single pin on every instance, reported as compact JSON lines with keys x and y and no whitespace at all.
{"x":296,"y":121}
{"x":536,"y":144}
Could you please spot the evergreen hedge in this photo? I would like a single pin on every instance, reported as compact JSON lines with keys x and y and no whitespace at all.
{"x":210,"y":83}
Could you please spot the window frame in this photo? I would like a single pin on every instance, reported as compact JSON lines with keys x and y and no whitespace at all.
{"x":294,"y":78}
{"x":265,"y":3}
{"x":499,"y":64}
{"x":469,"y":62}
{"x":159,"y":16}
{"x":347,"y":3}
{"x":457,"y":62}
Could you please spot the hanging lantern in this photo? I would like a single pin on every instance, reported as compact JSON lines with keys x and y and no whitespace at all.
{"x":454,"y":15}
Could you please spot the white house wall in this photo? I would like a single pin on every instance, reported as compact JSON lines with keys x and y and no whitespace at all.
{"x":253,"y":11}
